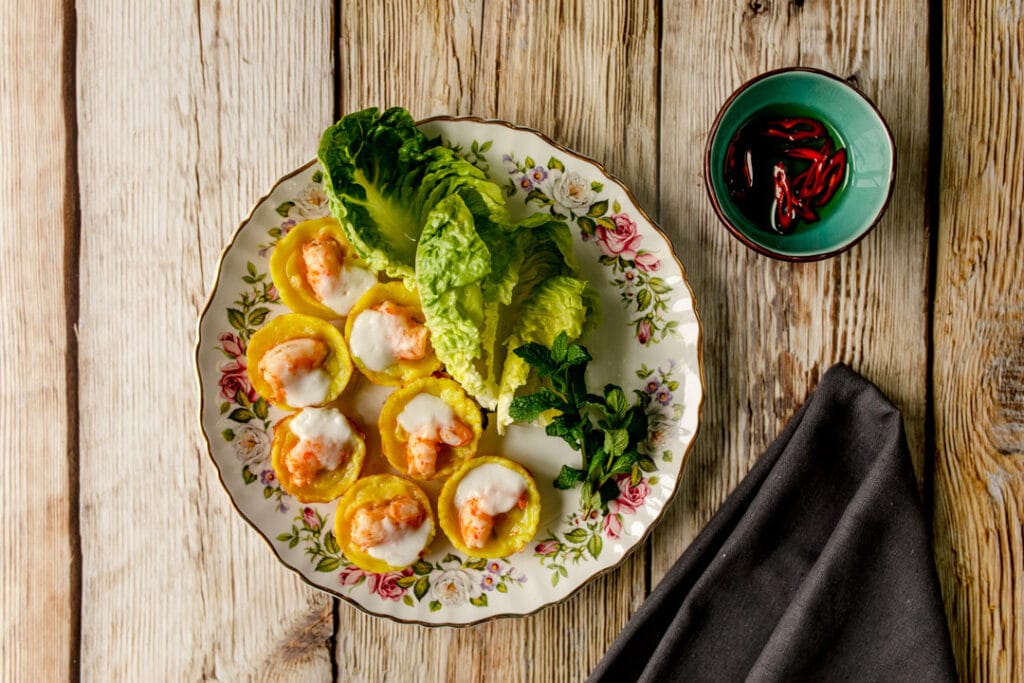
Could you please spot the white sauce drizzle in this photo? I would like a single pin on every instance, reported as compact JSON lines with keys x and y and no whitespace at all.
{"x":496,"y":488}
{"x":425,"y":411}
{"x":327,"y":427}
{"x":341,"y":292}
{"x":306,"y":388}
{"x":403,"y":545}
{"x":369,"y":340}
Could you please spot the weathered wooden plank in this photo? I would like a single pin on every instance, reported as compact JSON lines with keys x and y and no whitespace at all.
{"x":182,"y":129}
{"x":773,"y":328}
{"x":979,"y":340}
{"x":38,"y":238}
{"x":586,"y":74}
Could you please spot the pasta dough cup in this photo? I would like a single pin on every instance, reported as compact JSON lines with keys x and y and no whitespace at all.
{"x":338,"y":363}
{"x":401,"y":371}
{"x":395,"y":440}
{"x":367,"y":492}
{"x":327,"y":484}
{"x":289,"y":271}
{"x":512,"y":529}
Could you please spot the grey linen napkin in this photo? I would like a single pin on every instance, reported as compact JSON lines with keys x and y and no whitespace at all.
{"x":817,"y":567}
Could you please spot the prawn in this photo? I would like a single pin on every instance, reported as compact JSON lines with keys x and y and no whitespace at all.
{"x":291,"y":358}
{"x":322,"y":258}
{"x":304,"y":461}
{"x":406,"y":336}
{"x":475,"y":525}
{"x":373,"y":525}
{"x":425,"y":445}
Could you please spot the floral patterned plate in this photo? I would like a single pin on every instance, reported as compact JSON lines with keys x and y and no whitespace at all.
{"x":649,"y":341}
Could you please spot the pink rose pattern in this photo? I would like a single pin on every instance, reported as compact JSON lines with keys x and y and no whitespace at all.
{"x":386,"y":585}
{"x":644,"y":331}
{"x":612,"y":525}
{"x":546,"y":548}
{"x":647,"y":262}
{"x":311,"y":519}
{"x":623,"y":241}
{"x":631,"y":497}
{"x":234,"y":375}
{"x":352,"y":576}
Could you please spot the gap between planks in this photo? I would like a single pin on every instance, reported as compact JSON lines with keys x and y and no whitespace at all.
{"x":72,"y":252}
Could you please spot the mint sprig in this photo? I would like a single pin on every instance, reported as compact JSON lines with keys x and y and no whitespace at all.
{"x":606,"y":429}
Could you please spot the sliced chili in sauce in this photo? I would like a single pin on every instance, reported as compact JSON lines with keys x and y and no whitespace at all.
{"x":783,"y":170}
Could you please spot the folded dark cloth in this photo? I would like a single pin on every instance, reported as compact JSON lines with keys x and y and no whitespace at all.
{"x":817,"y":567}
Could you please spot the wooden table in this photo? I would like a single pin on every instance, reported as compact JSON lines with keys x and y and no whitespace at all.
{"x":135,"y":135}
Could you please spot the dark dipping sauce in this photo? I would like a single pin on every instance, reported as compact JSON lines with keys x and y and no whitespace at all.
{"x":781,"y":170}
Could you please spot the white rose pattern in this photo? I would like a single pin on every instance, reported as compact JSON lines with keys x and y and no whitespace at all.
{"x":251,"y":444}
{"x":570,"y":190}
{"x":453,"y":587}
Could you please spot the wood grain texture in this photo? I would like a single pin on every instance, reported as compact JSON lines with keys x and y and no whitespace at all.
{"x":586,"y":74}
{"x":773,"y":328}
{"x":185,"y":113}
{"x":38,"y":598}
{"x":979,"y":340}
{"x":181,"y":129}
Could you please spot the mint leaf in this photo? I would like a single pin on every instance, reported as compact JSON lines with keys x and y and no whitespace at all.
{"x":615,"y":399}
{"x":577,"y":355}
{"x":596,"y":464}
{"x":615,"y":442}
{"x":568,"y":477}
{"x":538,"y":356}
{"x":560,"y":348}
{"x":529,"y":408}
{"x":565,"y":429}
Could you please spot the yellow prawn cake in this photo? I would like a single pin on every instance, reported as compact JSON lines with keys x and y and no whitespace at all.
{"x":317,"y":272}
{"x":384,"y":523}
{"x":298,"y":360}
{"x":317,"y":454}
{"x":490,"y":507}
{"x":429,"y":427}
{"x":386,"y":334}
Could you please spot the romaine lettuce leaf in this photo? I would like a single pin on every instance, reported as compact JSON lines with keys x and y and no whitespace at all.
{"x":383,"y":177}
{"x":560,"y":303}
{"x":373,"y":166}
{"x":452,"y":262}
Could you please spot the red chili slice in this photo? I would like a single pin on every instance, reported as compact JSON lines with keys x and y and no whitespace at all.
{"x":808,"y":153}
{"x":784,"y":208}
{"x":794,"y":129}
{"x":832,"y":177}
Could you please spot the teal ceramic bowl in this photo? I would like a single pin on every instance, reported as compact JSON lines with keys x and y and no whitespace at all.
{"x":852,"y":122}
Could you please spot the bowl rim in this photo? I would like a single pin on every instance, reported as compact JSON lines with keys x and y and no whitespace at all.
{"x":736,"y":232}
